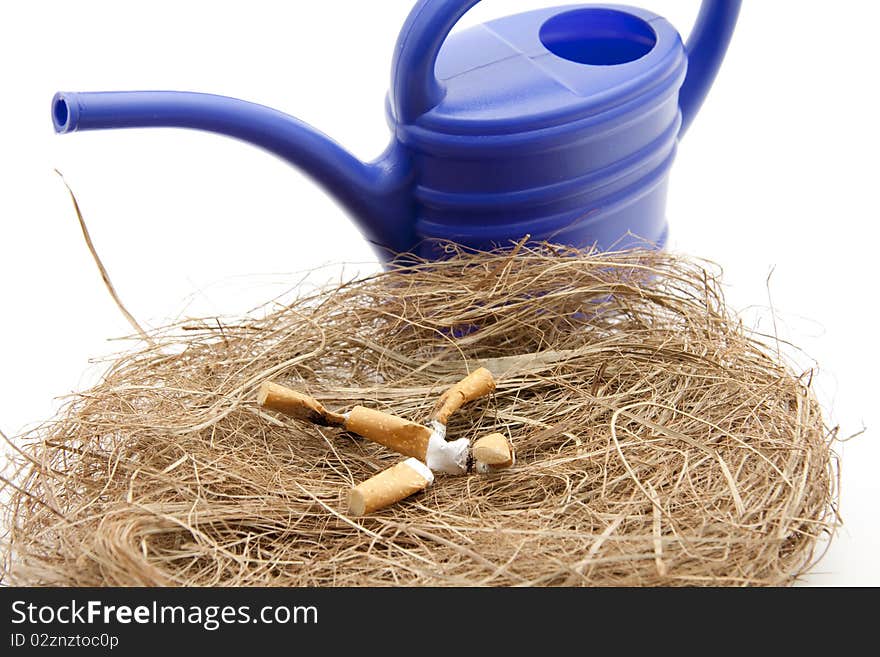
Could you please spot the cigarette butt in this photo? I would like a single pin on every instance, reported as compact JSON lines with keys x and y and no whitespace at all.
{"x":296,"y":404}
{"x":392,"y":485}
{"x":403,"y":436}
{"x":493,"y":452}
{"x":478,"y":383}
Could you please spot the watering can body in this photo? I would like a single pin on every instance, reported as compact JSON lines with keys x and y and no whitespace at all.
{"x":559,"y":123}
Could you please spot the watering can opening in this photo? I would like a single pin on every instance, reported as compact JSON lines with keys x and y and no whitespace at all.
{"x":598,"y":36}
{"x":60,"y":114}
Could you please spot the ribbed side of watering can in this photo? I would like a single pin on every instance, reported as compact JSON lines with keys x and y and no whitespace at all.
{"x":561,"y":124}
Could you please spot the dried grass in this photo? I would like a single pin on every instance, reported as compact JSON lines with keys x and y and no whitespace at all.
{"x":658,"y":441}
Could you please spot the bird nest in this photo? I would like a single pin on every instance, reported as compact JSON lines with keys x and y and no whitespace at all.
{"x":658,"y":442}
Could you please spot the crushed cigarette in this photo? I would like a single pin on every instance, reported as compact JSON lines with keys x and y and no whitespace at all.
{"x":493,"y":452}
{"x":296,"y":404}
{"x":478,"y":383}
{"x":389,"y":486}
{"x":403,"y":436}
{"x":427,"y":444}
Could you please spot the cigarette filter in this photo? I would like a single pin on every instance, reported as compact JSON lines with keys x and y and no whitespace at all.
{"x":296,"y":404}
{"x":478,"y":383}
{"x":392,"y":485}
{"x":493,"y":452}
{"x":403,"y":436}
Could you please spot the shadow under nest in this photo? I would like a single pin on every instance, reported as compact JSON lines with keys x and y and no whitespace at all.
{"x":658,"y":441}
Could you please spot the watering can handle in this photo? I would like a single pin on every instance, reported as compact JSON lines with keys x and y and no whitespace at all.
{"x":416,"y":89}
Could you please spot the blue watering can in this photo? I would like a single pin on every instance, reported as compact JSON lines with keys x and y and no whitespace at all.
{"x":558,"y":123}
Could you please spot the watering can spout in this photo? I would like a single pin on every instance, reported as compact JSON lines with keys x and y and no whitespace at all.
{"x":377,"y":194}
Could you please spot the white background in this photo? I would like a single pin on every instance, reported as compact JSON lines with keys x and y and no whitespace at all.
{"x":779,"y":173}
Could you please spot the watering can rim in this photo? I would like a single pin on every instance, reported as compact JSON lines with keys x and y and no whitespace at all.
{"x":416,"y":91}
{"x":655,"y":75}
